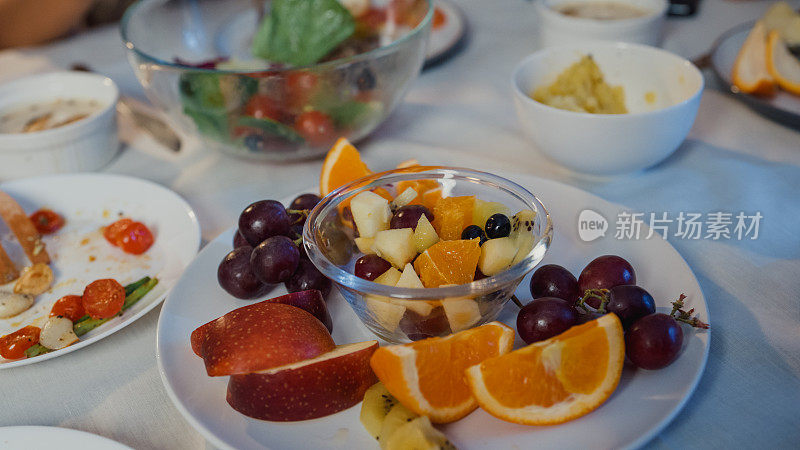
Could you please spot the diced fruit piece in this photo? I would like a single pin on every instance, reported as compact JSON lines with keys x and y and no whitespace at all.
{"x":418,"y":434}
{"x":425,"y":235}
{"x":522,"y":233}
{"x":427,"y":376}
{"x":405,"y":197}
{"x":418,"y":327}
{"x":452,"y":215}
{"x":383,"y":193}
{"x":448,"y":262}
{"x":389,"y":278}
{"x":409,"y":278}
{"x":396,"y":246}
{"x":483,"y":210}
{"x":370,"y":267}
{"x":387,"y":313}
{"x":308,"y":389}
{"x":474,"y":232}
{"x":496,"y":255}
{"x":782,"y":65}
{"x":398,"y":416}
{"x":377,"y":404}
{"x":552,"y":381}
{"x":750,"y":72}
{"x":431,"y":198}
{"x":408,"y":216}
{"x":462,"y":313}
{"x":258,"y":337}
{"x":342,"y":165}
{"x":371,"y":213}
{"x":365,"y":245}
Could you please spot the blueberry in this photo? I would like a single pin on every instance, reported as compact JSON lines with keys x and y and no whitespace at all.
{"x":255,"y":142}
{"x":498,"y":226}
{"x":365,"y":80}
{"x":473,"y":232}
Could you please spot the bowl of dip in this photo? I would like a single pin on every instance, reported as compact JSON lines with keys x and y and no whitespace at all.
{"x":57,"y":122}
{"x":573,"y":21}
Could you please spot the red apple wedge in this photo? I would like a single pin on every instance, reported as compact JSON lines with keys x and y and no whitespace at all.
{"x":259,"y":337}
{"x":308,"y":389}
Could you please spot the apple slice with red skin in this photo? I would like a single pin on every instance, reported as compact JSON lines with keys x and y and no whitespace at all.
{"x":259,"y":337}
{"x":309,"y":389}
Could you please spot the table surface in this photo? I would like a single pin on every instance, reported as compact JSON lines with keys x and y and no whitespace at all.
{"x":459,"y":113}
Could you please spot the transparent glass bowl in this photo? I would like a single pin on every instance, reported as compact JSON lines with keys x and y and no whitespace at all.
{"x":357,"y":93}
{"x":432,"y":311}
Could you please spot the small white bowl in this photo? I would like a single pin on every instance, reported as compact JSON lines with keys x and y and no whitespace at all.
{"x":662,"y":95}
{"x":87,"y":144}
{"x":556,"y":28}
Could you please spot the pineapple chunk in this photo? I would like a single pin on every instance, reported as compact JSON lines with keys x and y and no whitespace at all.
{"x":389,"y":278}
{"x":418,"y":434}
{"x":376,"y":405}
{"x":371,"y":213}
{"x":522,"y":233}
{"x":403,"y":199}
{"x":365,"y":245}
{"x":497,"y":255}
{"x":462,"y":313}
{"x":409,"y":278}
{"x":387,"y":313}
{"x":483,"y":210}
{"x":396,"y":246}
{"x":398,"y":416}
{"x":424,"y":235}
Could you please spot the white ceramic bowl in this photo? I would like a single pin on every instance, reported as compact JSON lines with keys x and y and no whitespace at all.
{"x":87,"y":144}
{"x":610,"y":144}
{"x":556,"y":28}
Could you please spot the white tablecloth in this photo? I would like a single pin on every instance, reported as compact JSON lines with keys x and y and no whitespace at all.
{"x":461,"y":113}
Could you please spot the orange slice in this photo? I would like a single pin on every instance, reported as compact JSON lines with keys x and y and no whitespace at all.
{"x":342,"y":165}
{"x":553,"y":381}
{"x":448,"y":262}
{"x":750,"y":72}
{"x":427,"y":376}
{"x":431,"y":198}
{"x":782,"y":65}
{"x":451,"y":215}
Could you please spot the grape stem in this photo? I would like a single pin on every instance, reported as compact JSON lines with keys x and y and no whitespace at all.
{"x":600,"y":294}
{"x":680,"y":315}
{"x":302,"y":212}
{"x":516,"y":301}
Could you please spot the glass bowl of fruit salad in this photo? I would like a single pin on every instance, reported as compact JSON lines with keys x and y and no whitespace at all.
{"x":427,"y":251}
{"x":276,"y":79}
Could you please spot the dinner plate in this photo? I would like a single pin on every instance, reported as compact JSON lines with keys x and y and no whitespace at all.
{"x":80,"y":254}
{"x":642,"y":405}
{"x":445,"y":40}
{"x":31,"y":437}
{"x":782,"y":107}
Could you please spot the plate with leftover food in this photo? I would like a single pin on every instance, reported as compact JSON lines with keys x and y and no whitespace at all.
{"x":448,"y":31}
{"x":82,"y":256}
{"x":299,"y":362}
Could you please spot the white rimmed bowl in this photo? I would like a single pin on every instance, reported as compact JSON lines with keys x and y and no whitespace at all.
{"x":556,"y":28}
{"x":662,"y":95}
{"x":85,"y":145}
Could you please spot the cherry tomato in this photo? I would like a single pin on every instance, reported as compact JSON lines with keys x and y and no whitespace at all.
{"x":103,"y":298}
{"x":439,"y":18}
{"x":47,"y":221}
{"x":115,"y":230}
{"x":316,"y":127}
{"x":13,"y":346}
{"x":136,"y":239}
{"x":373,"y":19}
{"x":261,"y":106}
{"x":300,"y":86}
{"x":69,"y":306}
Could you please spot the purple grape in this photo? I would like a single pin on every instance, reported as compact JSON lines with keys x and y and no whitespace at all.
{"x":630,"y":303}
{"x":605,"y":272}
{"x":370,"y":267}
{"x":239,"y":240}
{"x":275,"y":259}
{"x":408,"y":216}
{"x":302,"y":202}
{"x":307,"y":277}
{"x":553,"y":280}
{"x":497,"y":226}
{"x":236,"y":277}
{"x":544,"y":318}
{"x":654,"y":341}
{"x":262,"y":220}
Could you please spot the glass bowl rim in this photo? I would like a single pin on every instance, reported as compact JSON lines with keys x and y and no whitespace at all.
{"x":472,"y":289}
{"x":374,"y":53}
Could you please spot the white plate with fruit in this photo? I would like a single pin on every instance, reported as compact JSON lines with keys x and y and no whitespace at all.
{"x":250,"y":339}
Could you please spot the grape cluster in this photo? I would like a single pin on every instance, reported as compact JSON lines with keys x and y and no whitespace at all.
{"x":268,"y":250}
{"x":608,"y":285}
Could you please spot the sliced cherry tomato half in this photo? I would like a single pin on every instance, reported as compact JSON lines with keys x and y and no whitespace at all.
{"x":300,"y":87}
{"x":13,"y":346}
{"x":439,"y":18}
{"x":113,"y":232}
{"x":47,"y":221}
{"x":316,"y":127}
{"x":103,"y":298}
{"x":136,"y":239}
{"x":261,"y":106}
{"x":69,"y":306}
